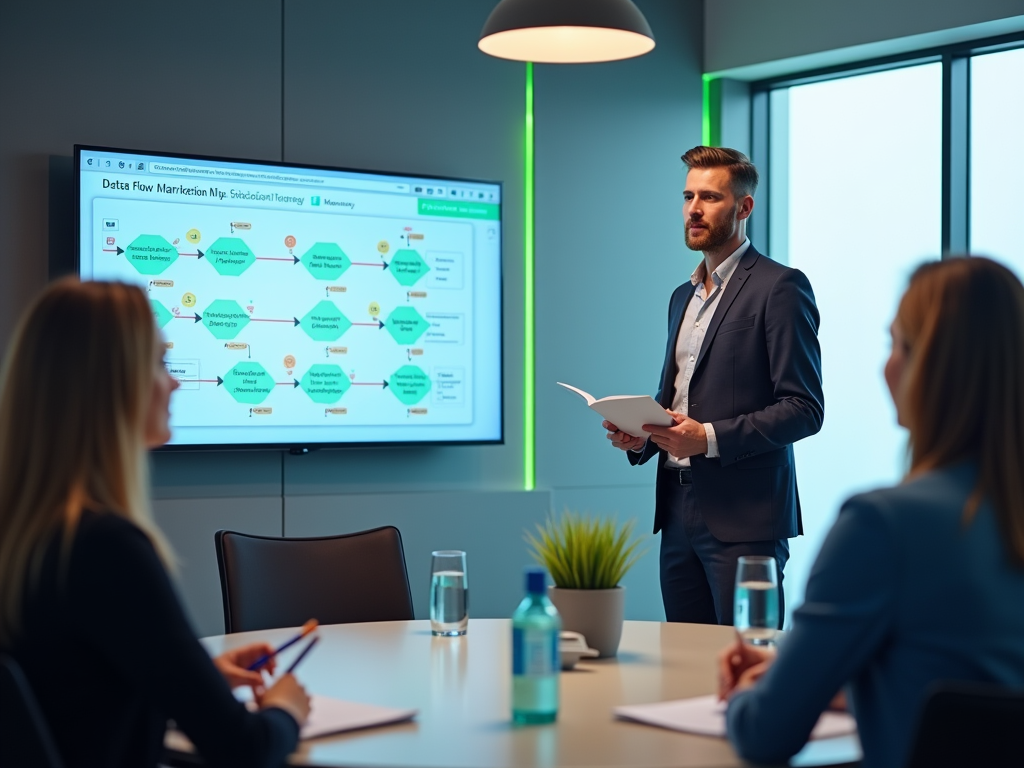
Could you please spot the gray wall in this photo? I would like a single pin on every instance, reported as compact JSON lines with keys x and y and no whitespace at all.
{"x":752,"y":39}
{"x":391,"y":85}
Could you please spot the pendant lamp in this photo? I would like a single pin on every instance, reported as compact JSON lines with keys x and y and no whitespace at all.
{"x":566,"y":31}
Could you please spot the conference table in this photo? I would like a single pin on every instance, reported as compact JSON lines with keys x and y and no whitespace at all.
{"x":461,"y":687}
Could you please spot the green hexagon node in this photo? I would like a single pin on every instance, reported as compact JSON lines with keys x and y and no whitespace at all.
{"x":325,"y":383}
{"x":406,"y":325}
{"x":151,"y":254}
{"x":409,"y":384}
{"x":230,"y":256}
{"x":324,"y":322}
{"x":161,"y":314}
{"x":249,"y":383}
{"x":326,"y":261}
{"x":408,"y":266}
{"x":225,"y":319}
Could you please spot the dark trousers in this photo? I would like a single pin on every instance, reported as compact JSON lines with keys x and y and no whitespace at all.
{"x":698,"y":572}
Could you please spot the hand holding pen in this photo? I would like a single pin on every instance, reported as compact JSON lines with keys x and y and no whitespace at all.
{"x":236,"y":665}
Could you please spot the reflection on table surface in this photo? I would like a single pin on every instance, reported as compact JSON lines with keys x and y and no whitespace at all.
{"x":461,"y":687}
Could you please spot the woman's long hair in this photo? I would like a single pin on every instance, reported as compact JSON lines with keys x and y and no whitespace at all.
{"x":74,"y":396}
{"x":963,"y":394}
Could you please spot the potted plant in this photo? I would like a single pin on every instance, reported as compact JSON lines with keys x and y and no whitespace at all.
{"x":587,"y":558}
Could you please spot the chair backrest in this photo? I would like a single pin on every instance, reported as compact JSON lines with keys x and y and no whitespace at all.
{"x":24,"y":736}
{"x":269,"y":582}
{"x":966,"y":724}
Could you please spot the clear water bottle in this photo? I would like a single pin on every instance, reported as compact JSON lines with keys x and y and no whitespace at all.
{"x":535,"y":661}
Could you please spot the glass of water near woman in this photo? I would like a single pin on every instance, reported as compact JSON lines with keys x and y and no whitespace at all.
{"x":449,"y":593}
{"x":756,"y":608}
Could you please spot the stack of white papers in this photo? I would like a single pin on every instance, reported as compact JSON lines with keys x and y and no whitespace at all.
{"x":705,"y":715}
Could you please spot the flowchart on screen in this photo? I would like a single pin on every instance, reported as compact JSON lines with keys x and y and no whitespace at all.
{"x":298,"y":317}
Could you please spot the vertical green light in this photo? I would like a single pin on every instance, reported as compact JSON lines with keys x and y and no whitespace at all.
{"x":705,"y":134}
{"x":529,"y":408}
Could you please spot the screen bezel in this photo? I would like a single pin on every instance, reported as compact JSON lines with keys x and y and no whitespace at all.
{"x":301,"y":448}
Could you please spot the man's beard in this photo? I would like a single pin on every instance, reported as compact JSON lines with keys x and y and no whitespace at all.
{"x":714,"y":236}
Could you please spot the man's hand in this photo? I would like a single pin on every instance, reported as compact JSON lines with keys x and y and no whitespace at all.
{"x":683,"y":439}
{"x":740,"y":666}
{"x":621,"y":440}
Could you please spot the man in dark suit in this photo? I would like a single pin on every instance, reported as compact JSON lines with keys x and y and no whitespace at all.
{"x":742,"y":380}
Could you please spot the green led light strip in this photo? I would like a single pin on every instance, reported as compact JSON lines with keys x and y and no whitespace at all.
{"x":705,"y":133}
{"x":529,"y":405}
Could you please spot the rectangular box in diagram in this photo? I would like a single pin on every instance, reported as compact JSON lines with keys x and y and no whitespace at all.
{"x":449,"y":386}
{"x":445,"y":269}
{"x":444,"y":328}
{"x":186,"y":372}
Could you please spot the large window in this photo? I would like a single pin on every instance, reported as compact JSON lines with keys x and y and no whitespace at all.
{"x":856,"y":204}
{"x":997,"y":156}
{"x":869,"y":171}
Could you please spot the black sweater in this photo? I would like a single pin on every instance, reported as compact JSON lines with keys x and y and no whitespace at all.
{"x":111,"y":657}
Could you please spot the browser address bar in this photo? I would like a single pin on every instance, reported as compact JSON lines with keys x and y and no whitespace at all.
{"x":232,"y":174}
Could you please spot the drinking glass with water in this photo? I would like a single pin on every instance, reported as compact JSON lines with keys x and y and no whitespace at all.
{"x":756,"y":608}
{"x":449,"y":593}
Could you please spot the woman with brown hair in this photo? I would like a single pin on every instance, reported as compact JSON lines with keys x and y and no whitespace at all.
{"x":86,"y":605}
{"x":924,"y":581}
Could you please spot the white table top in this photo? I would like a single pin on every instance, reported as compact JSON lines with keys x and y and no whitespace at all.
{"x":461,"y":687}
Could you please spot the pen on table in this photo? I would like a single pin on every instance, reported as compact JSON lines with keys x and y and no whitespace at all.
{"x":302,"y":655}
{"x":309,"y":626}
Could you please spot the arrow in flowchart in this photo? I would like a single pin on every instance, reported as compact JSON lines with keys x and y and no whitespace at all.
{"x":118,"y":251}
{"x":382,"y":264}
{"x":377,"y":324}
{"x":294,"y":320}
{"x":218,"y":381}
{"x":381,"y":384}
{"x":292,"y":259}
{"x":292,"y":383}
{"x":196,"y":317}
{"x":198,"y":254}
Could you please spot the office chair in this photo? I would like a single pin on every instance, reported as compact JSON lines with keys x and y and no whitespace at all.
{"x":967,"y":724}
{"x":268,"y":582}
{"x":25,"y":738}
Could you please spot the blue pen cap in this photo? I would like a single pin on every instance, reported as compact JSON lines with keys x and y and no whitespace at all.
{"x":536,"y":581}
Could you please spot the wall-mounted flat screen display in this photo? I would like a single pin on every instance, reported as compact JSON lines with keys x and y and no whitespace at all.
{"x":306,"y":307}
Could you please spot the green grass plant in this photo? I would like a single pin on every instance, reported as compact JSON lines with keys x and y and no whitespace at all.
{"x":583,"y":552}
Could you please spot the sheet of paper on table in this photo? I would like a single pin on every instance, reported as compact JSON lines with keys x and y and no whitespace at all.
{"x":327,"y":716}
{"x":705,"y":716}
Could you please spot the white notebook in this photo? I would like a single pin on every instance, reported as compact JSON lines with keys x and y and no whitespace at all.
{"x":628,"y":412}
{"x":705,"y":716}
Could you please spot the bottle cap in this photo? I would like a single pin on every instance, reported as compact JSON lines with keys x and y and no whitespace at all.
{"x":535,"y":581}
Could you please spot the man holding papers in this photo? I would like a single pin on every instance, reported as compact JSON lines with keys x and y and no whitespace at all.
{"x":742,"y":381}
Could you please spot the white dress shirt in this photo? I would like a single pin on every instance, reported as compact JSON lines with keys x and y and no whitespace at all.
{"x":692,"y":329}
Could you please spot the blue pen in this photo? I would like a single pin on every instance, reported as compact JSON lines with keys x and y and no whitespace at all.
{"x":302,"y":655}
{"x":309,"y":626}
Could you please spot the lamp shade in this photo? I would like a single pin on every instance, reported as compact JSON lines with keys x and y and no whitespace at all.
{"x":566,"y":31}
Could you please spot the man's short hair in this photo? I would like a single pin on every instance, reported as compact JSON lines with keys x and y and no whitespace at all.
{"x":741,"y":170}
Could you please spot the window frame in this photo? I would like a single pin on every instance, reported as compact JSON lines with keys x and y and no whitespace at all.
{"x":956,"y":122}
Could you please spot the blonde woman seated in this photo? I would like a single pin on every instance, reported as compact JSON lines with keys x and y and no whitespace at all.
{"x":86,"y":605}
{"x":924,"y":581}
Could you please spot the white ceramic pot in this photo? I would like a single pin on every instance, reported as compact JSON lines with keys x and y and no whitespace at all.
{"x":595,"y":613}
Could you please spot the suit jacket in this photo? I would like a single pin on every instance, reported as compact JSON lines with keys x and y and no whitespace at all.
{"x":757,"y":380}
{"x":903,"y":594}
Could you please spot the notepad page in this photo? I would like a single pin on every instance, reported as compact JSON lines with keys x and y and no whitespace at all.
{"x":705,"y":716}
